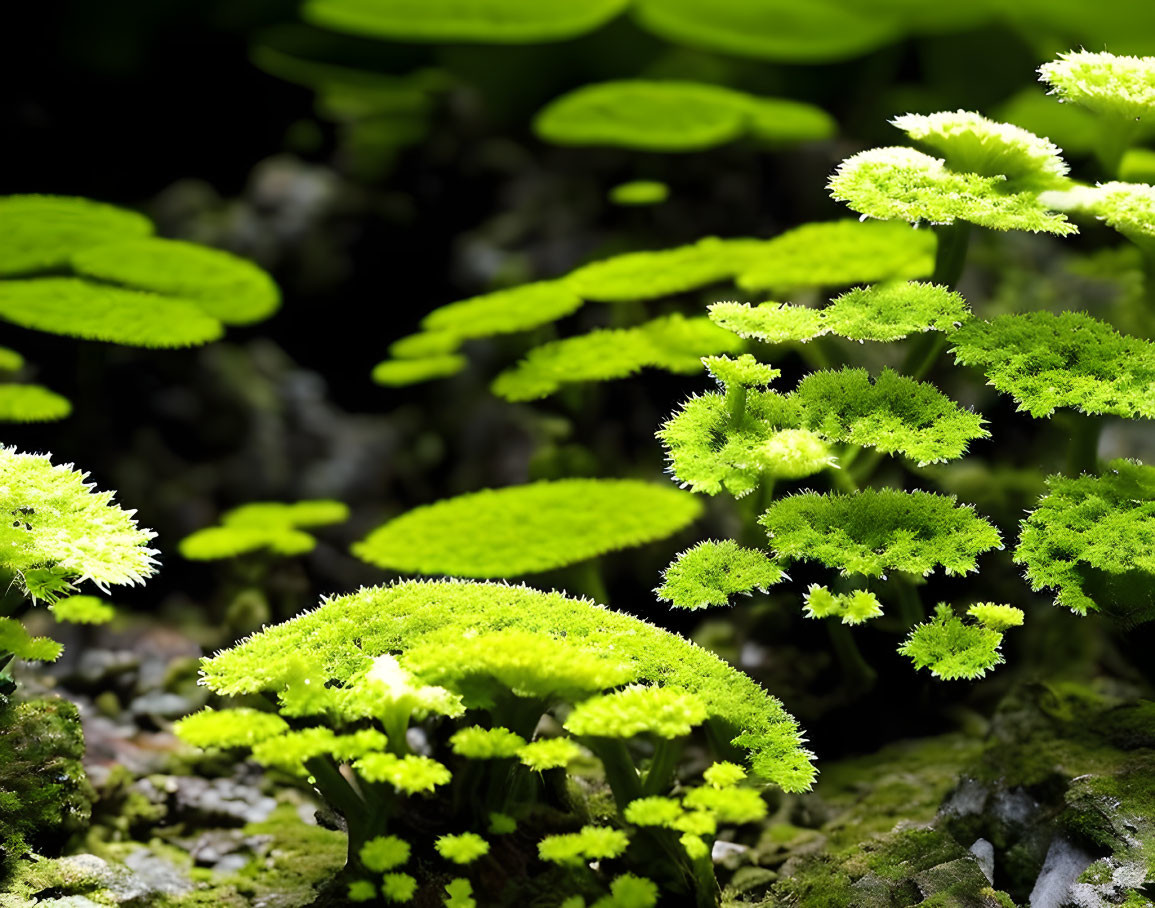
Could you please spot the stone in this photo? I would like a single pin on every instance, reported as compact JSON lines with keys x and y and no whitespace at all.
{"x":1064,"y":864}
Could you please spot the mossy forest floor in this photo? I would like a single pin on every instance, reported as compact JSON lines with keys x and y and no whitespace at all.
{"x":1047,"y":802}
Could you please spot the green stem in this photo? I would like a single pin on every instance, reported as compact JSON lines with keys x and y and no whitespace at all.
{"x":910,"y":610}
{"x":951,"y":253}
{"x":660,"y":775}
{"x":1083,"y":448}
{"x":924,"y":353}
{"x":586,"y":579}
{"x":857,"y":671}
{"x":736,"y":404}
{"x":1114,"y":140}
{"x":621,"y":773}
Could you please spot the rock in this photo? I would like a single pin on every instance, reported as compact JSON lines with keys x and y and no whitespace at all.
{"x":162,"y":704}
{"x":1063,"y":866}
{"x":967,"y":800}
{"x":157,"y":873}
{"x":723,"y":850}
{"x":218,"y":801}
{"x":984,"y":853}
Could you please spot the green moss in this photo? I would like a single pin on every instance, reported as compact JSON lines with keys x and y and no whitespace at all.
{"x":45,"y":797}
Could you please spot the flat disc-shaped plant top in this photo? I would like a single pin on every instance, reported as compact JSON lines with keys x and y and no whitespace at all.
{"x":452,"y":21}
{"x":674,"y":116}
{"x":639,"y":192}
{"x":882,"y":312}
{"x":44,"y":231}
{"x":840,"y":253}
{"x":898,"y":183}
{"x":504,"y":311}
{"x":952,"y":649}
{"x":713,"y":571}
{"x":32,"y":403}
{"x":894,"y":414}
{"x":1130,"y":209}
{"x":876,"y":531}
{"x":341,"y":635}
{"x":1045,"y":361}
{"x":815,"y":31}
{"x":787,"y":436}
{"x":10,"y":360}
{"x":229,"y":288}
{"x":972,"y":143}
{"x":1119,"y":87}
{"x":399,"y":373}
{"x":636,"y":276}
{"x":709,"y":453}
{"x":76,"y":308}
{"x":59,"y":530}
{"x":264,"y":526}
{"x":529,"y":528}
{"x":1091,"y":539}
{"x":672,"y":343}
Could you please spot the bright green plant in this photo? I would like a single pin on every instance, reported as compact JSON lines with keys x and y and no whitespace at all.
{"x":475,"y":667}
{"x":58,"y":532}
{"x":271,"y":526}
{"x":83,"y":269}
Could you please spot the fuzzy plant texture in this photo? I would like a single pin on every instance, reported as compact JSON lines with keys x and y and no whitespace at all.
{"x":58,"y":532}
{"x":476,"y":667}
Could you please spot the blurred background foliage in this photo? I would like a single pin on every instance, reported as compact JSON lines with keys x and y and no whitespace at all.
{"x":378,"y":174}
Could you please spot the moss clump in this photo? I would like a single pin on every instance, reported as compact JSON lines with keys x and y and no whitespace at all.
{"x":45,"y":797}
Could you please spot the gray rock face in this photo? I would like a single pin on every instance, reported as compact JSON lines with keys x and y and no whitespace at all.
{"x":1063,"y":866}
{"x":984,"y":853}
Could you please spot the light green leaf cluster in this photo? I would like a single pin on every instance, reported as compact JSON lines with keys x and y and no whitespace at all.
{"x":996,"y":617}
{"x":102,"y":312}
{"x":456,"y":21}
{"x":476,"y":743}
{"x":713,"y":571}
{"x":398,"y":887}
{"x":674,"y":115}
{"x":894,"y":414}
{"x":892,"y":311}
{"x":10,"y":360}
{"x":237,"y":727}
{"x":971,"y":143}
{"x":951,"y":649}
{"x":227,"y":287}
{"x":463,"y":848}
{"x":818,"y":31}
{"x":729,"y":804}
{"x":82,"y":610}
{"x":723,"y":774}
{"x":854,"y":607}
{"x":16,"y":641}
{"x":896,"y":183}
{"x":424,"y":344}
{"x":786,"y":436}
{"x":530,"y":528}
{"x":591,"y":843}
{"x":639,"y":192}
{"x":883,"y":312}
{"x":42,"y":232}
{"x":1130,"y":209}
{"x":386,"y":688}
{"x":399,"y":373}
{"x":672,"y":343}
{"x":273,"y":526}
{"x":771,"y":323}
{"x":485,"y":667}
{"x":361,"y":891}
{"x":291,"y":750}
{"x":630,"y":891}
{"x":635,"y":276}
{"x":637,"y":709}
{"x":409,"y":774}
{"x":60,"y":531}
{"x":428,"y":617}
{"x":549,"y":753}
{"x":1119,"y":87}
{"x":502,"y":312}
{"x":1044,"y":361}
{"x":383,"y":853}
{"x":745,"y":371}
{"x":32,"y":403}
{"x":708,"y":452}
{"x":1092,"y":540}
{"x":879,"y":530}
{"x":459,"y":894}
{"x":840,"y":253}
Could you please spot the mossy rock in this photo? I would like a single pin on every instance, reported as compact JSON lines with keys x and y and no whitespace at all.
{"x":45,"y":796}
